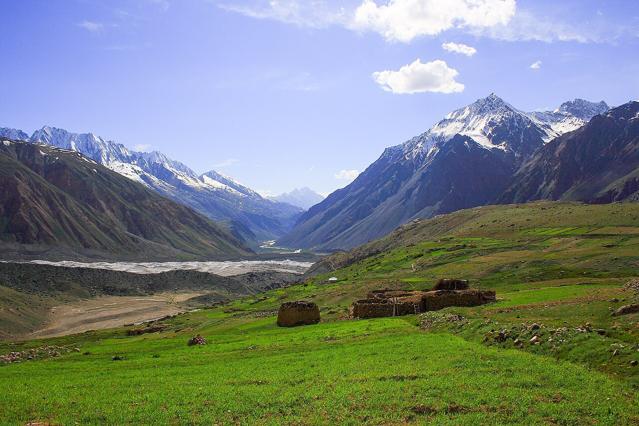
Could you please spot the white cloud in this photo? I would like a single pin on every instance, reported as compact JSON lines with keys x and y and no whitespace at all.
{"x":226,"y":163}
{"x":91,"y":26}
{"x":143,"y":147}
{"x":435,"y":76}
{"x":313,"y":14}
{"x":535,"y":65}
{"x":348,"y":175}
{"x":404,"y":20}
{"x":464,"y":49}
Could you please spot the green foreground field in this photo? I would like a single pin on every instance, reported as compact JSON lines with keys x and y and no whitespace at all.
{"x":558,"y":281}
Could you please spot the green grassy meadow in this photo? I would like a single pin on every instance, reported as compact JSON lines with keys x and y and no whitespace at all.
{"x":562,"y":267}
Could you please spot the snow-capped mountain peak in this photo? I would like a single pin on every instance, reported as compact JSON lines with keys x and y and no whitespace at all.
{"x":583,"y":109}
{"x":568,"y":117}
{"x":491,"y":122}
{"x":14,"y":134}
{"x":89,"y":144}
{"x":495,"y":124}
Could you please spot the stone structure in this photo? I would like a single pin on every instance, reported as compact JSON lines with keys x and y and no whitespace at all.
{"x":448,"y":284}
{"x":292,"y":314}
{"x":389,"y":303}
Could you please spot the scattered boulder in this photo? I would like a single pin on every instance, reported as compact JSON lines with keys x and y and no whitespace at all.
{"x":627,"y":309}
{"x":43,"y":352}
{"x":632,"y":285}
{"x":197,"y":340}
{"x":292,"y":314}
{"x":435,"y":319}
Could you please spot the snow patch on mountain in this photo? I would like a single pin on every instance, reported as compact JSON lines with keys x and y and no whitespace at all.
{"x":214,"y":184}
{"x":127,"y":170}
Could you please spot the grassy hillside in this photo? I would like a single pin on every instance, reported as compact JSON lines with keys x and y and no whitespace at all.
{"x":356,"y":372}
{"x":558,"y":270}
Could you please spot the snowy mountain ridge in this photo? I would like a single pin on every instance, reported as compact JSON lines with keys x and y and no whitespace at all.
{"x":213,"y":194}
{"x":495,"y":124}
{"x":142,"y":167}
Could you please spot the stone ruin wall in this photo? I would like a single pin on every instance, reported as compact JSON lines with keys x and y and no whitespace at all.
{"x":388,"y":303}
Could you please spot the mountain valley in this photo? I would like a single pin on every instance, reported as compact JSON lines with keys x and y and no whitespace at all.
{"x":466,"y":160}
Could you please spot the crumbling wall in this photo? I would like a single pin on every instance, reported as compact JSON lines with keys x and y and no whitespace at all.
{"x":449,"y":284}
{"x":388,"y":294}
{"x":440,"y":299}
{"x":371,"y":308}
{"x":292,"y":314}
{"x":388,"y":303}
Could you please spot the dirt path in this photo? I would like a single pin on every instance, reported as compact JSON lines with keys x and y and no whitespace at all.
{"x":110,"y":311}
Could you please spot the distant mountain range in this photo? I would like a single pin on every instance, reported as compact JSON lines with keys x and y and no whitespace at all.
{"x":247,"y":214}
{"x":304,"y":198}
{"x":488,"y":152}
{"x":56,"y":203}
{"x":468,"y":159}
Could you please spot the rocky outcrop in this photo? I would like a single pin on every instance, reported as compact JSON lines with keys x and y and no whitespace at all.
{"x":626,"y":310}
{"x":197,"y":340}
{"x":292,"y":314}
{"x":390,"y":303}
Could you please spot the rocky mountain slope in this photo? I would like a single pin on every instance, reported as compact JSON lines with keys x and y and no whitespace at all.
{"x":463,"y":161}
{"x":57,"y":203}
{"x":304,"y":198}
{"x":597,"y":163}
{"x":247,"y":214}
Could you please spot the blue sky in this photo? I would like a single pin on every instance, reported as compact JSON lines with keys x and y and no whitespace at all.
{"x":290,"y":93}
